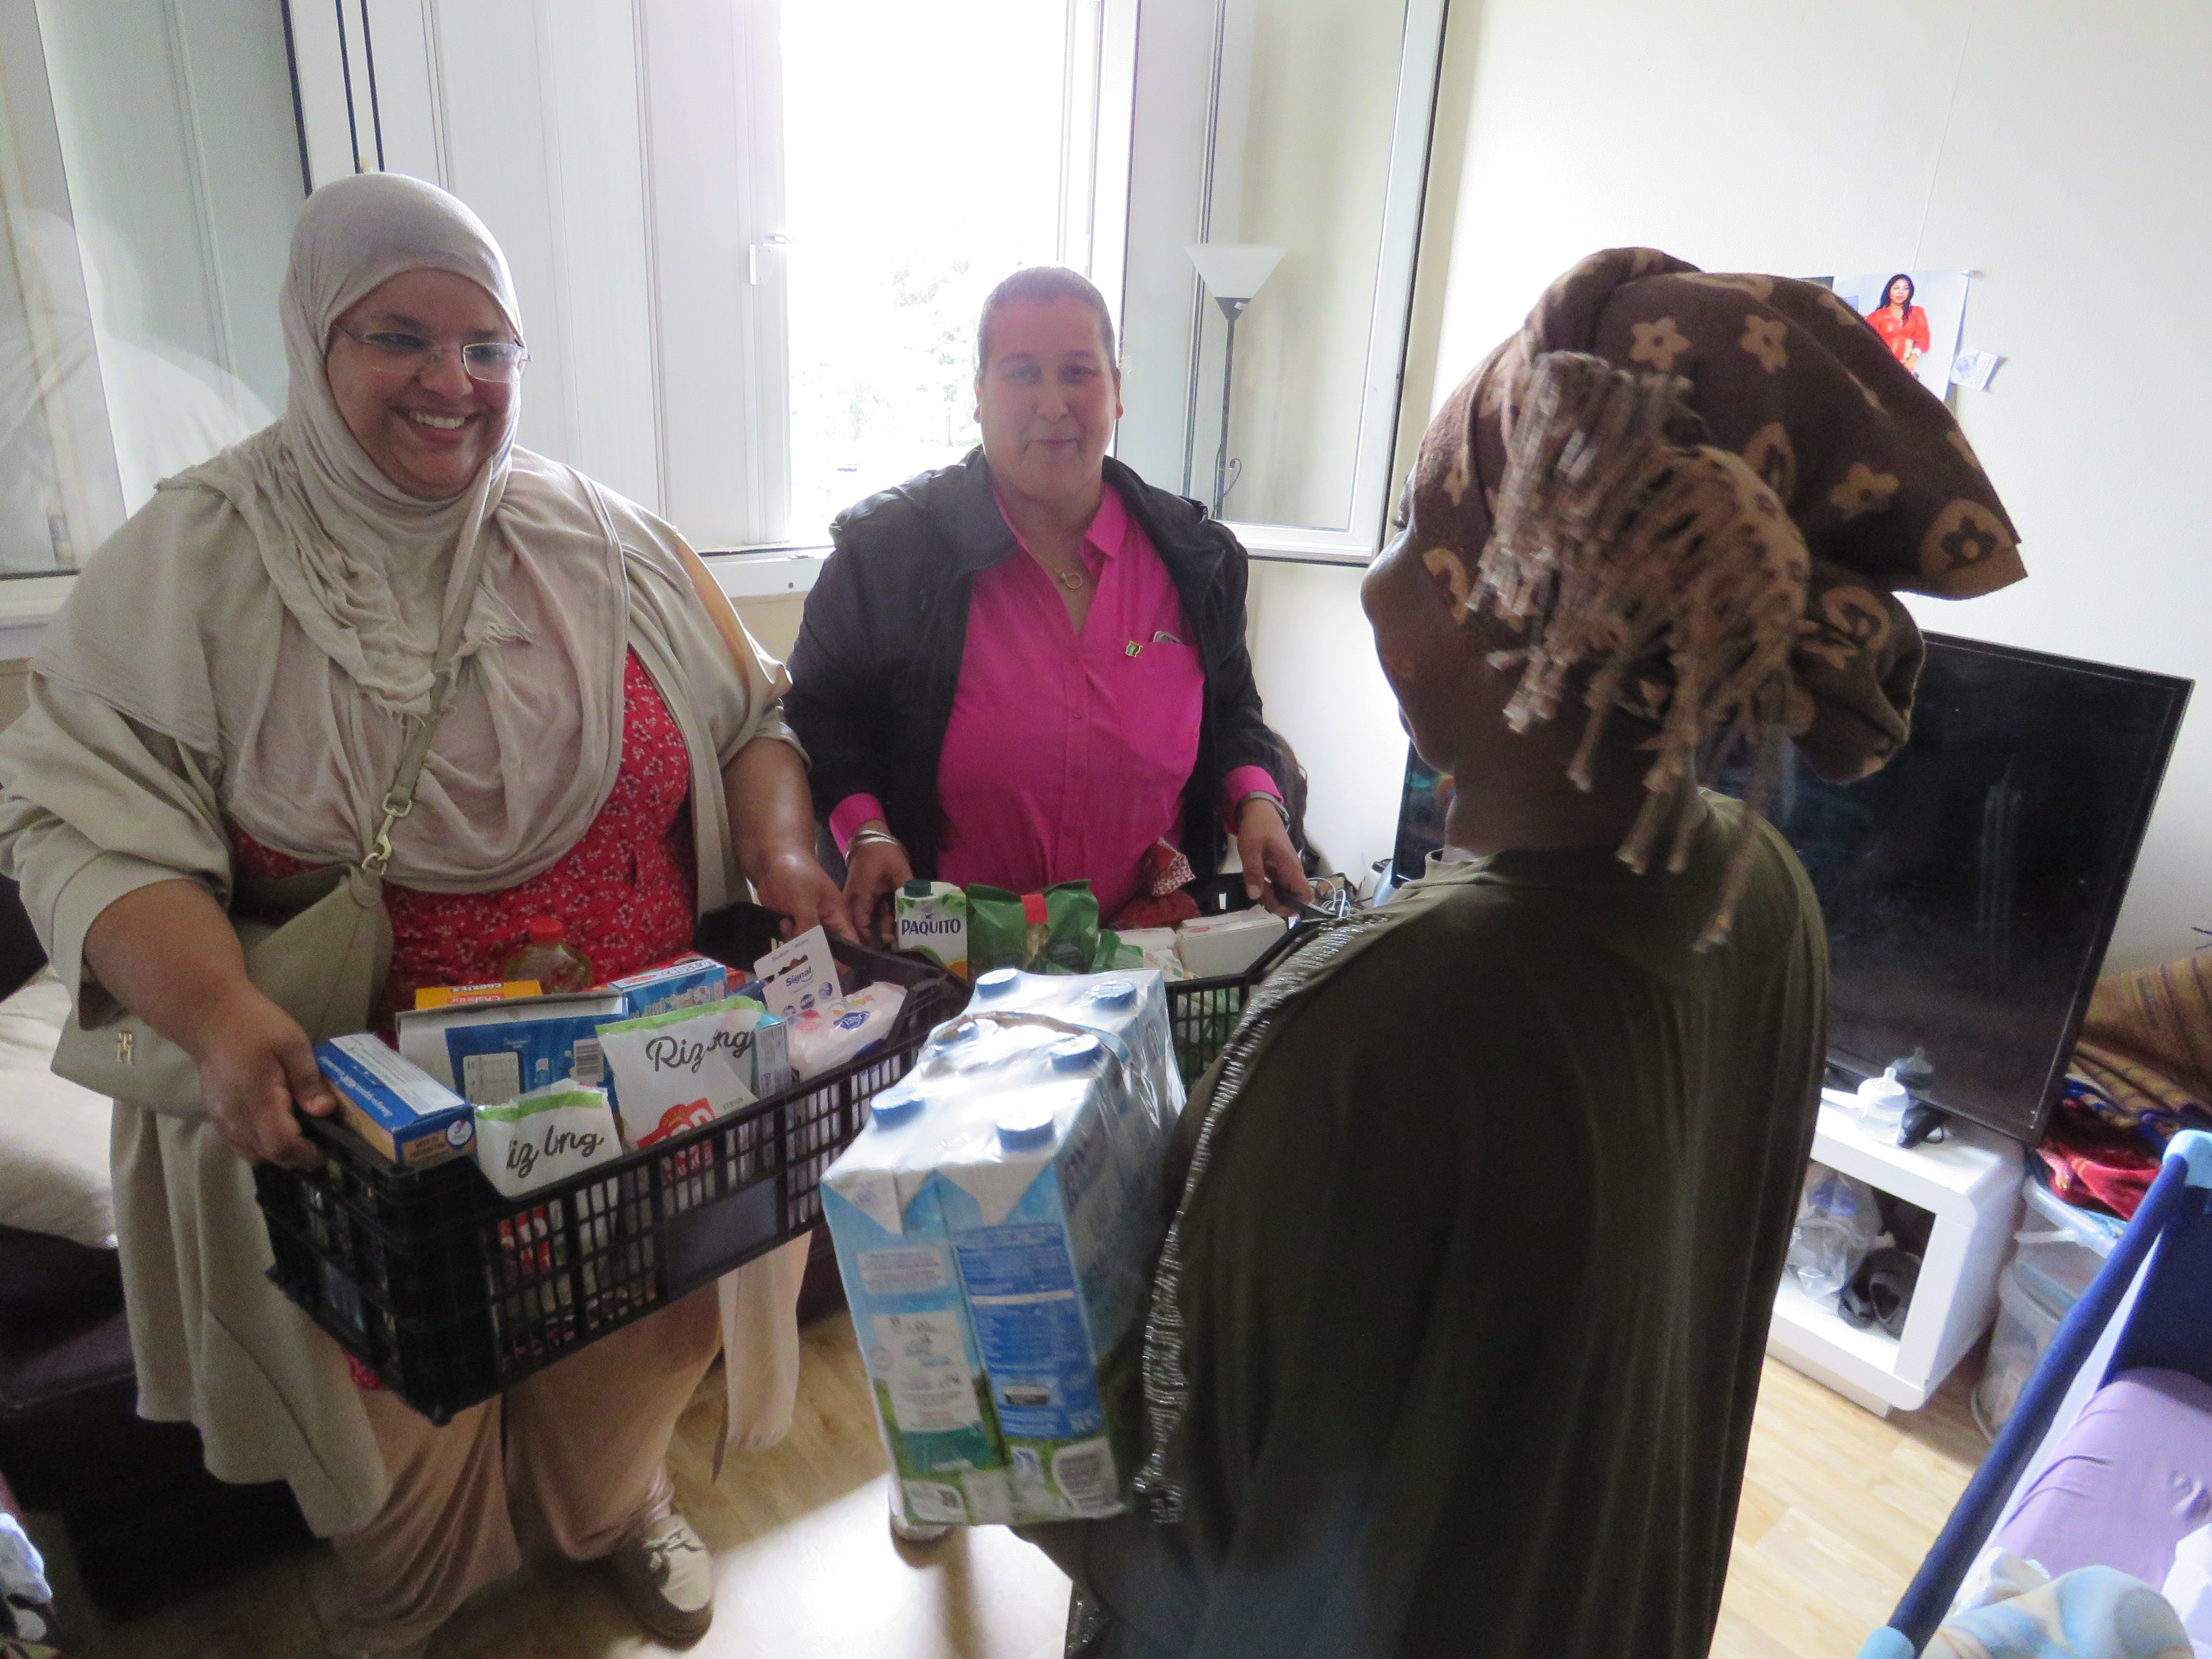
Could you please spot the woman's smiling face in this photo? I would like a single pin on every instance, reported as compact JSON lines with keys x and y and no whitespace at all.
{"x":428,"y":429}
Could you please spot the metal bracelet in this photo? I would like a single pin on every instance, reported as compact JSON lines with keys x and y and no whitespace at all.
{"x":1260,"y":794}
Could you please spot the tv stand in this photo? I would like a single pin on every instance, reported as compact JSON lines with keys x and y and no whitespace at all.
{"x":1970,"y":1183}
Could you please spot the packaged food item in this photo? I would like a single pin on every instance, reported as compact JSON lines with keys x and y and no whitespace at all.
{"x":1214,"y":946}
{"x":547,"y":956}
{"x":798,"y":976}
{"x":691,"y":981}
{"x":544,"y":1136}
{"x":678,"y":1069}
{"x":933,"y":1402}
{"x":932,"y":918}
{"x":445,"y":996}
{"x":1155,"y":948}
{"x":1055,"y":931}
{"x":825,"y":1037}
{"x":393,"y":1104}
{"x":491,"y":1052}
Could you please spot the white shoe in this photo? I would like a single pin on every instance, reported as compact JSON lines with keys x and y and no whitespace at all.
{"x":667,"y":1579}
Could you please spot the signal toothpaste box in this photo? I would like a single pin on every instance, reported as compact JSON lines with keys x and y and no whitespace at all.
{"x":394,"y":1105}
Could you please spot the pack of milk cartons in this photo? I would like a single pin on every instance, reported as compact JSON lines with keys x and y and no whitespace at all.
{"x":993,"y":1225}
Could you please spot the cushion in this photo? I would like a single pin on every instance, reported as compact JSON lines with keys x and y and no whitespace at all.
{"x":53,"y":1135}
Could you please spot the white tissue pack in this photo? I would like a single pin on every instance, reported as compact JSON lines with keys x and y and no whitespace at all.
{"x":993,"y":1227}
{"x":825,"y":1036}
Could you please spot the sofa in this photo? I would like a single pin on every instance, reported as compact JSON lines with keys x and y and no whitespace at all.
{"x":145,"y":1522}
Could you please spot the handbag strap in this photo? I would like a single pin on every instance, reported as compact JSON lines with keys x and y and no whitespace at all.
{"x":415,"y":753}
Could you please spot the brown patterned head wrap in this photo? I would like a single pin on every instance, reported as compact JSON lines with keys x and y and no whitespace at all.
{"x":1695,"y":497}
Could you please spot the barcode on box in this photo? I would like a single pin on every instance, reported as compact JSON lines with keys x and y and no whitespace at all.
{"x":1086,"y":1474}
{"x":590,"y":1066}
{"x":491,"y":1079}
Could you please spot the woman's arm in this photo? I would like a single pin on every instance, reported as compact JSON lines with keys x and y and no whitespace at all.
{"x":166,"y":953}
{"x":772,"y":832}
{"x":1273,"y":873}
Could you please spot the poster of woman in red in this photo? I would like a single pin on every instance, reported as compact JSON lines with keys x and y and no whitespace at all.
{"x":1902,"y":324}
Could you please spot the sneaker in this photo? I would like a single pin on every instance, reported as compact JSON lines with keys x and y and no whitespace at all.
{"x":667,"y":1579}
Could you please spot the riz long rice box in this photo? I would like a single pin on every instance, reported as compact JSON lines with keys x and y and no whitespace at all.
{"x":686,"y":1066}
{"x":933,"y":1402}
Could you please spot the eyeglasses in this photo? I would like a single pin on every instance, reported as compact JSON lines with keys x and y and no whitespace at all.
{"x":490,"y":363}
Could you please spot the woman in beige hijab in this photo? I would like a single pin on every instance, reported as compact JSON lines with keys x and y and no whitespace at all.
{"x":225,"y":697}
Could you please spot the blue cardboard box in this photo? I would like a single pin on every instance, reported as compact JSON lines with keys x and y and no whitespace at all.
{"x":393,"y":1104}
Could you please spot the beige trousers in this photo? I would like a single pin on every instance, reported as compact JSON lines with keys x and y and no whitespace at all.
{"x":583,"y":1466}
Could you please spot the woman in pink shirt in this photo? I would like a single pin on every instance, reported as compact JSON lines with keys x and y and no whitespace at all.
{"x":1030,"y":667}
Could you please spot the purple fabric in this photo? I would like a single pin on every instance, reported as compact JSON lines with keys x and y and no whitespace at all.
{"x":2133,"y":1478}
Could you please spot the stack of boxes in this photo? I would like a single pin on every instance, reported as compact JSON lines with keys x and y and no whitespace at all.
{"x":992,"y":1225}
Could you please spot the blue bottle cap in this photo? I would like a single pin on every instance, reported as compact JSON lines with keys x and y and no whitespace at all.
{"x":1076,"y":1053}
{"x":1112,"y":993}
{"x":1027,"y":1126}
{"x":996,"y":983}
{"x":894,"y":1106}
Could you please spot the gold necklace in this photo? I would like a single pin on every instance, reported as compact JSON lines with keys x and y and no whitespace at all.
{"x":1073,"y":580}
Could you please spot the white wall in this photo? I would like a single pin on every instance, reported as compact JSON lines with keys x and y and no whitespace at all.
{"x":2058,"y":156}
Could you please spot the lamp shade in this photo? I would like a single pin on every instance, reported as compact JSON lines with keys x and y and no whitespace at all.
{"x":1234,"y":271}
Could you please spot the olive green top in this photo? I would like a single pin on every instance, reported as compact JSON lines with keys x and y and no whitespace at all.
{"x":1477,"y":1275}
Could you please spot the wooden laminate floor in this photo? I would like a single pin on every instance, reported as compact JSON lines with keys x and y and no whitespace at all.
{"x":1838,"y":1509}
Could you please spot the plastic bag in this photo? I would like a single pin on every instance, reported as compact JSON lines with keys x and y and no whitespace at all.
{"x":1839,"y":1221}
{"x":1055,"y":931}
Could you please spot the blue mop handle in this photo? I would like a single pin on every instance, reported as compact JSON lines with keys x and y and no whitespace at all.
{"x":2187,"y":1165}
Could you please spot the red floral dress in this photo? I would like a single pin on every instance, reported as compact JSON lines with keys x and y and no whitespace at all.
{"x":627,"y":890}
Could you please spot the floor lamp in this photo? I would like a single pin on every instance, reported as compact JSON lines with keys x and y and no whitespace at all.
{"x":1234,"y":272}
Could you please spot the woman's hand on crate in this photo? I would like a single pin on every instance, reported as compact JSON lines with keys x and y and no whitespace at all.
{"x":256,"y":1067}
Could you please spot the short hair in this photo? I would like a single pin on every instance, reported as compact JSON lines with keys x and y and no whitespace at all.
{"x":1041,"y":285}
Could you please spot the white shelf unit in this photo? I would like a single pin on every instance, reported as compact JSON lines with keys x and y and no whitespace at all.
{"x":1970,"y":1183}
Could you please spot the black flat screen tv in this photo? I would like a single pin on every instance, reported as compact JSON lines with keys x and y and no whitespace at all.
{"x":1969,"y":887}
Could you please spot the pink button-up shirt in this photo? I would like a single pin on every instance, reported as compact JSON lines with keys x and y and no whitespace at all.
{"x":1067,"y":754}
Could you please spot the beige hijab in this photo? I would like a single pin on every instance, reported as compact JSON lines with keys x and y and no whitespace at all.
{"x":306,"y":708}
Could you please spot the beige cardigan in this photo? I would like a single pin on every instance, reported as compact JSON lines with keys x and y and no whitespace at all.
{"x":94,"y":805}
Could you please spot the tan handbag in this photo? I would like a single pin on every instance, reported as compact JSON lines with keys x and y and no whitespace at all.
{"x":318,"y":945}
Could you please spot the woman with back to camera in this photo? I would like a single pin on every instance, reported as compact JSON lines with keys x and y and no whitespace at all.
{"x":1030,"y":667}
{"x":1902,"y":324}
{"x":1474,"y":1231}
{"x":236,"y":683}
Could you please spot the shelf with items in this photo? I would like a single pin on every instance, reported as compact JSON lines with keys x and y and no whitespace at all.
{"x":1970,"y":1183}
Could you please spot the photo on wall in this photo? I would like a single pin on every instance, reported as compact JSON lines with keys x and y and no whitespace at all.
{"x":1918,"y":315}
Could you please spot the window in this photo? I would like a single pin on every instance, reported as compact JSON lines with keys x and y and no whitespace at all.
{"x":150,"y":170}
{"x":898,"y":229}
{"x":751,"y":236}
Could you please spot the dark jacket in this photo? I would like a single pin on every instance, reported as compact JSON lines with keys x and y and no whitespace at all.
{"x":879,"y":651}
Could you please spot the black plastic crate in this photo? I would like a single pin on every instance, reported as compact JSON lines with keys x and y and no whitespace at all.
{"x":1204,"y":1013}
{"x":451,"y":1292}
